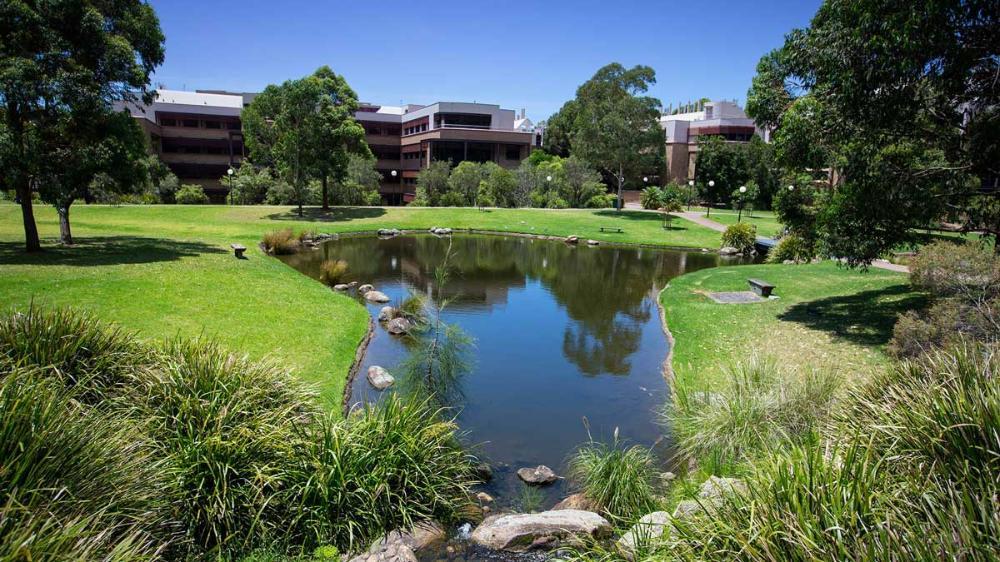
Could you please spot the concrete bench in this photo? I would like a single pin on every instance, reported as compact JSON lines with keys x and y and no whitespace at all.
{"x":611,"y":229}
{"x":238,"y":250}
{"x":762,"y":288}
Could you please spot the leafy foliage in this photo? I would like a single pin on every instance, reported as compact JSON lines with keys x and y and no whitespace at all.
{"x":617,"y":478}
{"x":191,"y":194}
{"x":742,"y":236}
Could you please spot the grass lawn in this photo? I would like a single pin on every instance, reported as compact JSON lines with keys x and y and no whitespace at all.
{"x":827,"y":316}
{"x":168,"y":270}
{"x":765,"y":221}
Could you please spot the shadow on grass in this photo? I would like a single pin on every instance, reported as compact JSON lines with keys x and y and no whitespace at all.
{"x":335,"y":214}
{"x":864,"y":318}
{"x":110,"y":250}
{"x":631,"y":215}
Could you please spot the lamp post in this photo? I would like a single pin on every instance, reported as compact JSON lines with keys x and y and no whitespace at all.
{"x":690,"y":192}
{"x":708,"y":208}
{"x":743,"y":190}
{"x":230,"y":173}
{"x":393,"y":173}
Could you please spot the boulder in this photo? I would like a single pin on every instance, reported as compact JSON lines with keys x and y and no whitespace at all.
{"x":484,"y":472}
{"x":386,"y":313}
{"x":539,"y":475}
{"x":667,"y":477}
{"x":441,"y":231}
{"x":545,"y":530}
{"x":398,"y":326}
{"x":715,"y":488}
{"x":352,"y":284}
{"x":388,"y":232}
{"x":379,"y":377}
{"x":572,"y":239}
{"x":376,"y":296}
{"x":649,"y":528}
{"x":483,"y":497}
{"x":576,"y":501}
{"x":365,"y":288}
{"x":400,"y":546}
{"x":592,"y":242}
{"x":728,"y":251}
{"x":341,"y":287}
{"x":687,"y":508}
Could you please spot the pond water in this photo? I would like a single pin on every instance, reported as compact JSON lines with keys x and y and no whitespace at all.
{"x":566,"y":338}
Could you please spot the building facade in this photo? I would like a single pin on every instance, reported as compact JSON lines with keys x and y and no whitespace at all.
{"x":406,"y":139}
{"x":683,"y":130}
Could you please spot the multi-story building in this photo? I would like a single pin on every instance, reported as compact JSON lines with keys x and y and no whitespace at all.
{"x":682,"y":130}
{"x":406,"y":139}
{"x":197,"y":134}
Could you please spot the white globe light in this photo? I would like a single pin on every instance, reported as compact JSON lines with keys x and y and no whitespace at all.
{"x":690,"y":183}
{"x":548,"y":178}
{"x":393,"y":173}
{"x":711,"y":183}
{"x":743,"y":189}
{"x":791,"y":187}
{"x":230,"y":171}
{"x":644,"y":178}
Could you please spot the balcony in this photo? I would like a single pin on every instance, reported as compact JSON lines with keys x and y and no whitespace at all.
{"x":196,"y":133}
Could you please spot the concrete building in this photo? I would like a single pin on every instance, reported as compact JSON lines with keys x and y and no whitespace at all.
{"x":406,"y":139}
{"x":682,"y":131}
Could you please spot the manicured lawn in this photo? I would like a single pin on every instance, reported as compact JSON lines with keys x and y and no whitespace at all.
{"x":167,"y":270}
{"x":767,"y":224}
{"x":826,"y":316}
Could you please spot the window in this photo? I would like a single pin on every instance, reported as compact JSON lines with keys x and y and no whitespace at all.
{"x":191,"y":123}
{"x":234,"y":126}
{"x":513,"y":152}
{"x":167,"y":122}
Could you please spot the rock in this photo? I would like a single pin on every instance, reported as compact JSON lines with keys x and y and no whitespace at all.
{"x":548,"y":529}
{"x":572,"y":239}
{"x":379,"y":377}
{"x":484,"y":472}
{"x":365,"y":288}
{"x":687,"y":508}
{"x":667,"y":477}
{"x":576,"y":501}
{"x":398,"y":326}
{"x":399,"y":546}
{"x":386,"y":313}
{"x":592,"y":242}
{"x":352,"y":284}
{"x":728,"y":251}
{"x":441,"y":231}
{"x":649,"y":528}
{"x":789,"y":262}
{"x":715,"y":488}
{"x":341,"y":287}
{"x":376,"y":296}
{"x":483,"y":497}
{"x":539,"y":475}
{"x":388,"y":232}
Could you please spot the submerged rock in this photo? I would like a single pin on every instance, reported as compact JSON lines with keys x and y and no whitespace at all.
{"x":539,"y":475}
{"x":483,"y":497}
{"x":576,"y":501}
{"x":545,"y":530}
{"x":399,"y":326}
{"x":379,"y":377}
{"x":484,"y":472}
{"x":386,"y":313}
{"x":376,"y":296}
{"x":341,"y":287}
{"x":649,"y":528}
{"x":365,"y":288}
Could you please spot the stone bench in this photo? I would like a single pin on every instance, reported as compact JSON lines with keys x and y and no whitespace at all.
{"x":238,"y":250}
{"x":611,"y":229}
{"x":762,"y":288}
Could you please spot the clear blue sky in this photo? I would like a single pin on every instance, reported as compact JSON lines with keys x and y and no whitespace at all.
{"x":517,"y":54}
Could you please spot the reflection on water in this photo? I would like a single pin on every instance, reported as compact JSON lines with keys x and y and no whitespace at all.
{"x":562,"y":333}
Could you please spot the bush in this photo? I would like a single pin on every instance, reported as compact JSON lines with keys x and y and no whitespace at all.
{"x":281,"y":242}
{"x":741,"y":236}
{"x":332,"y":272}
{"x":652,"y":198}
{"x":945,"y":269}
{"x":791,"y":247}
{"x":284,"y":193}
{"x":618,"y":479}
{"x":191,"y":195}
{"x":602,"y":201}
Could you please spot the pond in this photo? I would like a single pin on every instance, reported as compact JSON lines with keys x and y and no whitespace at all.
{"x":566,"y":338}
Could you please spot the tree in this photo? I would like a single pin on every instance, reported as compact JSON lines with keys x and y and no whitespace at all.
{"x":722,"y":167}
{"x":898,"y":120}
{"x":503,"y":187}
{"x":432,"y":184}
{"x":617,"y":128}
{"x":581,"y":182}
{"x":74,"y":56}
{"x":464,"y":181}
{"x":360,"y":183}
{"x":559,"y":129}
{"x":305,"y":128}
{"x":250,"y":184}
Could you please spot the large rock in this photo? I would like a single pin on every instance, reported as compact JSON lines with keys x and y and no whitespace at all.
{"x":441,"y":231}
{"x":545,"y":530}
{"x":576,"y":501}
{"x":399,"y":326}
{"x":572,"y":239}
{"x":539,"y":475}
{"x":365,"y":288}
{"x":388,"y":232}
{"x":687,"y":508}
{"x":593,"y":243}
{"x":400,"y":546}
{"x":341,"y":287}
{"x":728,"y":251}
{"x":649,"y":528}
{"x":379,"y":377}
{"x":386,"y":313}
{"x":715,"y":488}
{"x":376,"y":296}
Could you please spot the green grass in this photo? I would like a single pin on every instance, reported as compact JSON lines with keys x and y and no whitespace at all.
{"x":826,"y":316}
{"x":765,"y":221}
{"x":165,"y":270}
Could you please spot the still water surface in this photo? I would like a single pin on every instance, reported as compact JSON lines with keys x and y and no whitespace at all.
{"x":565,"y":338}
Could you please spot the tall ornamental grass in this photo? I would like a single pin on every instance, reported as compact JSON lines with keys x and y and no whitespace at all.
{"x":617,"y":478}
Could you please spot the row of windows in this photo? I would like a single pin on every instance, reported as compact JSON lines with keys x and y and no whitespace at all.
{"x":373,"y":129}
{"x":409,"y":181}
{"x":415,"y":129}
{"x":170,"y":148}
{"x":199,"y":123}
{"x":412,"y":155}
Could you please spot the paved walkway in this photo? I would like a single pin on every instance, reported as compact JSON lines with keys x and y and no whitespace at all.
{"x":699,"y":218}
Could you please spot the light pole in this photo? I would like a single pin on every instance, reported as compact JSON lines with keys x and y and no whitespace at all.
{"x":230,"y":173}
{"x":743,"y":190}
{"x":708,"y":208}
{"x":393,"y":173}
{"x":690,"y":192}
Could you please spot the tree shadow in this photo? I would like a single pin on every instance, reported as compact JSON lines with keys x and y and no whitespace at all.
{"x":110,"y":250}
{"x":632,"y":215}
{"x":865,"y":318}
{"x":335,"y":214}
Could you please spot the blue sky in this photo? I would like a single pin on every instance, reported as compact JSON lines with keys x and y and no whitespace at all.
{"x":518,"y":54}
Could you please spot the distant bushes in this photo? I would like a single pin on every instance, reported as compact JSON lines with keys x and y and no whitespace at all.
{"x":190,"y":194}
{"x":190,"y":452}
{"x":742,"y":236}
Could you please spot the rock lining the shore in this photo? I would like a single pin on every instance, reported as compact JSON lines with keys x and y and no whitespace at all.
{"x":540,"y":531}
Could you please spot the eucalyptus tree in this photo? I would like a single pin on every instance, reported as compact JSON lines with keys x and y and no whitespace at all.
{"x":63,"y":58}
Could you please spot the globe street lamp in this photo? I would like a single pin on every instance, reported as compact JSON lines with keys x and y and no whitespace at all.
{"x":230,"y":173}
{"x":690,"y":192}
{"x":708,"y":208}
{"x":743,"y":190}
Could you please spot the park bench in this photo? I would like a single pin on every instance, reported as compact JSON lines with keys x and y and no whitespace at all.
{"x":762,"y":288}
{"x":238,"y":250}
{"x":611,"y":229}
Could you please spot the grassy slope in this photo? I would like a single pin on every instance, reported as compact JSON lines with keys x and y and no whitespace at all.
{"x":167,"y":270}
{"x":765,"y":221}
{"x":826,"y":316}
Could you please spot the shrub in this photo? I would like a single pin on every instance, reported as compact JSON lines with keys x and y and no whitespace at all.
{"x":190,"y":194}
{"x":281,"y":242}
{"x":617,"y":478}
{"x":741,"y":236}
{"x":332,"y":272}
{"x":602,"y":201}
{"x":283,"y":193}
{"x":791,"y":247}
{"x":946,"y":269}
{"x":652,"y":198}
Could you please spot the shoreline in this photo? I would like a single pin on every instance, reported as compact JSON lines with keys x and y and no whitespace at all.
{"x":359,"y":356}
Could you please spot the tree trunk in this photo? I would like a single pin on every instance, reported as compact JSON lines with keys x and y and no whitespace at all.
{"x":621,"y":188}
{"x":65,"y":234}
{"x":31,"y":242}
{"x":326,"y":198}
